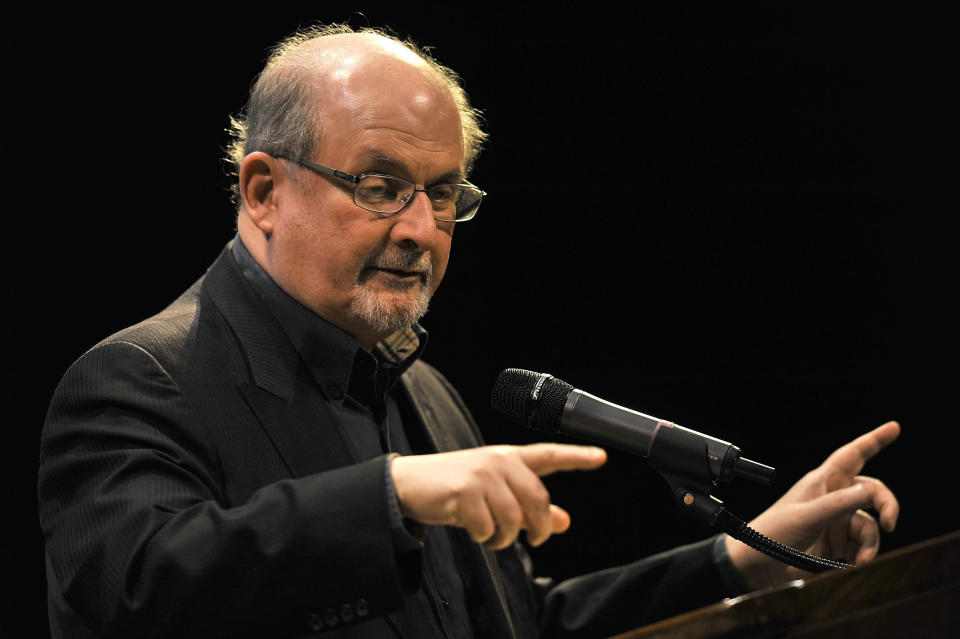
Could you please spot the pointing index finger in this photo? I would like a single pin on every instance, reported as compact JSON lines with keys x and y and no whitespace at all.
{"x":851,"y":457}
{"x":544,"y":459}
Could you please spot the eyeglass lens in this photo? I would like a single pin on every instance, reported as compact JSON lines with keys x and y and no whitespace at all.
{"x":388,"y":195}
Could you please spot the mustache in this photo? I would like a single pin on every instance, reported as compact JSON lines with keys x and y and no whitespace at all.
{"x":400,"y":259}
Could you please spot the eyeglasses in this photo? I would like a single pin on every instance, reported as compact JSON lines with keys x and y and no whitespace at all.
{"x":388,"y":195}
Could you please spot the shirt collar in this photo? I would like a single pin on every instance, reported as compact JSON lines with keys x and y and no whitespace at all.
{"x":330,"y":353}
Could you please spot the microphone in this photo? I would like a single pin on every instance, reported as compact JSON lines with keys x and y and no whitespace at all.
{"x":550,"y":405}
{"x":691,"y":463}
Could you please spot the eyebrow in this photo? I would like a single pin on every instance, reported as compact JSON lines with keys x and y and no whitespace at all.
{"x":380,"y":161}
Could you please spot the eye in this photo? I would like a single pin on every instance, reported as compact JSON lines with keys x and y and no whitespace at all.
{"x":443,"y":194}
{"x":376,"y":188}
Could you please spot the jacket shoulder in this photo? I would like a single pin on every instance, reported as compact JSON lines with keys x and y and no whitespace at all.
{"x":170,"y":325}
{"x":191,"y":328}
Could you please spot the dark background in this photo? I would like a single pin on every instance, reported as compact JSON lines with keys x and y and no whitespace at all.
{"x":737,"y":221}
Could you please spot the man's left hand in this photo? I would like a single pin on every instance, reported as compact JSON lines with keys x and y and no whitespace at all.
{"x":822,"y":514}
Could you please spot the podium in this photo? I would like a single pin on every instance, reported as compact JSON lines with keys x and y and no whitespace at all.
{"x":909,"y":593}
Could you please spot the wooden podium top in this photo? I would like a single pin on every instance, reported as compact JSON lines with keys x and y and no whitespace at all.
{"x":909,"y":593}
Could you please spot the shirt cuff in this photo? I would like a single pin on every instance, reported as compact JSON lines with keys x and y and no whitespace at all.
{"x":407,"y":533}
{"x":732,"y":579}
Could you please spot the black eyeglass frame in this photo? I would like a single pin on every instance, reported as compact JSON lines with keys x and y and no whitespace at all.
{"x":356,"y":179}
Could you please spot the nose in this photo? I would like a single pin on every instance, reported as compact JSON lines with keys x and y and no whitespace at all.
{"x":415,"y":222}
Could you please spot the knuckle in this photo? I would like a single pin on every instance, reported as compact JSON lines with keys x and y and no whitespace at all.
{"x":513,"y":521}
{"x":463,"y":489}
{"x":483,"y":531}
{"x":479,"y":471}
{"x":467,"y":493}
{"x":512,"y":516}
{"x":496,"y":457}
{"x":549,"y":452}
{"x":540,"y":497}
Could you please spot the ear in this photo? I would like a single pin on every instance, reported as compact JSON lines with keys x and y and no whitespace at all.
{"x":258,"y":180}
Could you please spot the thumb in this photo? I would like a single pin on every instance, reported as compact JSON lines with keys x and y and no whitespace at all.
{"x":559,"y":519}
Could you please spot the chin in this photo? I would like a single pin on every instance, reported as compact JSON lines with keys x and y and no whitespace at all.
{"x":386,"y":313}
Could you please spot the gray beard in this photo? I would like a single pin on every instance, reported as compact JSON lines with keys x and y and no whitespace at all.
{"x":374,"y":310}
{"x":386,"y":318}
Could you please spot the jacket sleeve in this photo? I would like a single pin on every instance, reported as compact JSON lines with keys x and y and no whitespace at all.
{"x":139,"y":539}
{"x":619,"y":599}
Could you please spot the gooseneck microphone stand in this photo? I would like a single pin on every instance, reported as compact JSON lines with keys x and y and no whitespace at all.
{"x":691,"y":483}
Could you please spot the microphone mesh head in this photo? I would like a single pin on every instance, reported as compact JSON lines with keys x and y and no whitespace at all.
{"x":532,"y":399}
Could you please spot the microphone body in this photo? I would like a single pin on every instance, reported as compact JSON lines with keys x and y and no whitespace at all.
{"x":670,"y":448}
{"x":545,"y":403}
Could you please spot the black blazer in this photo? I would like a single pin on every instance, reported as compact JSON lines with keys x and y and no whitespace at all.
{"x":193,"y":483}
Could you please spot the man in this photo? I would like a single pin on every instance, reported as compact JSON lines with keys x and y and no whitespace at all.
{"x":269,"y":457}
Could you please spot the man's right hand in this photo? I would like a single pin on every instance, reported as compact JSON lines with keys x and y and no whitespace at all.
{"x":493,"y":491}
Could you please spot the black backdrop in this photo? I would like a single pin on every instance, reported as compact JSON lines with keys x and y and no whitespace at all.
{"x":738,"y":221}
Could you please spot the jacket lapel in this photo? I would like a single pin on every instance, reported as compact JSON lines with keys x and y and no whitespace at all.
{"x":303,"y":432}
{"x":281,"y":394}
{"x":441,"y":412}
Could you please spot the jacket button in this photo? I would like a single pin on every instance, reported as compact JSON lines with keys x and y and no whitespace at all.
{"x":316,"y":622}
{"x":330,"y":616}
{"x":361,"y":608}
{"x":346,"y":613}
{"x":333,"y":390}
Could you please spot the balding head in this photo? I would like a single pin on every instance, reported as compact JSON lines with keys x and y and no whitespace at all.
{"x":315,"y":71}
{"x":353,"y":104}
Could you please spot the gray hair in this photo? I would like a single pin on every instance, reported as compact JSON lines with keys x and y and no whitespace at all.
{"x":281,"y":116}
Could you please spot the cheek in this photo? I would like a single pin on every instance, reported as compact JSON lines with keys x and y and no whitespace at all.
{"x":315,"y":265}
{"x":441,"y":257}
